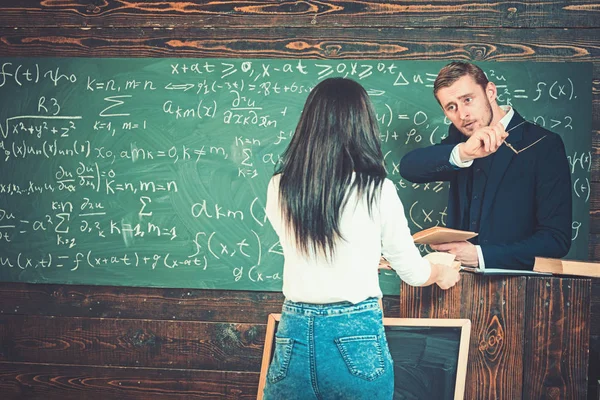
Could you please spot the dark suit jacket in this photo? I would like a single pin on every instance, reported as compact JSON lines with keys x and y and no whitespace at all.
{"x":526,"y":210}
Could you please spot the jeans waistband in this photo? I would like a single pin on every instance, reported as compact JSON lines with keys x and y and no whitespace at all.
{"x":344,"y":307}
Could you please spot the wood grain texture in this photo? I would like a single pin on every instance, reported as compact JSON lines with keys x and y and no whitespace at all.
{"x":594,"y":368}
{"x":496,"y":307}
{"x":414,"y":13}
{"x":594,"y":246}
{"x":19,"y":381}
{"x":595,"y":308}
{"x":594,"y":355}
{"x":358,"y":43}
{"x":556,"y":368}
{"x":138,"y":302}
{"x":433,"y":302}
{"x":143,"y":303}
{"x":132,"y":343}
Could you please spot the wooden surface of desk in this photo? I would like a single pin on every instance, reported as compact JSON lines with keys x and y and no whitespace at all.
{"x":529,"y":336}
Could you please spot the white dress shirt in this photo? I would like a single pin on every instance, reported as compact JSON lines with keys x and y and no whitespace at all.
{"x":457,"y":162}
{"x":352,"y":273}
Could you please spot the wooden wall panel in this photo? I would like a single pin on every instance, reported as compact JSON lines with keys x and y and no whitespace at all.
{"x":143,"y":303}
{"x":413,"y":14}
{"x":594,"y":366}
{"x":132,"y":343}
{"x":19,"y":381}
{"x":565,"y":304}
{"x":138,"y":302}
{"x":594,"y":245}
{"x":595,"y":308}
{"x":275,"y":42}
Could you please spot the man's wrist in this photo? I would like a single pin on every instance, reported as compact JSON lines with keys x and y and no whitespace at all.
{"x":462,"y":155}
{"x":455,"y":158}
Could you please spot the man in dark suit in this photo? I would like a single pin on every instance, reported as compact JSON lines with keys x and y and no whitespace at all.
{"x":509,"y":179}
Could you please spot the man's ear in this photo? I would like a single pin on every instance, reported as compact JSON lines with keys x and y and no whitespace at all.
{"x":491,"y":91}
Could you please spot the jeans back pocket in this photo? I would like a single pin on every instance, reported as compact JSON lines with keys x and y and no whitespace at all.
{"x":281,"y":359}
{"x":363,"y":355}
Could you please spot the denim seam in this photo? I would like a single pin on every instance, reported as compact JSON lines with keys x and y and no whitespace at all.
{"x":382,"y":346}
{"x":286,"y":345}
{"x":315,"y":311}
{"x":312,"y":361}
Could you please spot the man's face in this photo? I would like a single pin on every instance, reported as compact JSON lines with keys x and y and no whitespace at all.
{"x":467,"y":105}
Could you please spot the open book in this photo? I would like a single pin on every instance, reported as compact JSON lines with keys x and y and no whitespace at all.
{"x":503,"y":271}
{"x":440,"y":234}
{"x":449,"y":259}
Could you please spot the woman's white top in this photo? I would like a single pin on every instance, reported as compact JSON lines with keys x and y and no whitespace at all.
{"x":352,"y":274}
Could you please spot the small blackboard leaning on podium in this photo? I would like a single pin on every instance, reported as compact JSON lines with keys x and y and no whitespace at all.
{"x":430,"y":356}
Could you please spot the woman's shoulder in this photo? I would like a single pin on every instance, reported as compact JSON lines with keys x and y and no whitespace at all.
{"x":389,"y":193}
{"x":275,"y":179}
{"x":388,"y":185}
{"x":273,"y":186}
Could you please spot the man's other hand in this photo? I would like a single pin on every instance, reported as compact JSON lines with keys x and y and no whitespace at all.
{"x":465,"y":252}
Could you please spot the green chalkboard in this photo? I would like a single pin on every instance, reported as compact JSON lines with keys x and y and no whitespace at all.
{"x":425,"y":361}
{"x":153,"y":172}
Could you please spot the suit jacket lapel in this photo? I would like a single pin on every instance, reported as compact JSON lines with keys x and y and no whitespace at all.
{"x":502,"y":160}
{"x":461,"y":182}
{"x":463,"y":208}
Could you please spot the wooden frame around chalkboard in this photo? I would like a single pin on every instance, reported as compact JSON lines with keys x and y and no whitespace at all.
{"x":463,"y":350}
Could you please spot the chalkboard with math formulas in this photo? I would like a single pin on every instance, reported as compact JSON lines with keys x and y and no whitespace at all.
{"x":153,"y":172}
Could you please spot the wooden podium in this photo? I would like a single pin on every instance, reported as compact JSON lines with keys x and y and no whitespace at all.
{"x":529,"y":335}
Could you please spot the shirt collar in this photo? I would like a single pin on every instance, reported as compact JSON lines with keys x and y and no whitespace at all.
{"x":510,"y":112}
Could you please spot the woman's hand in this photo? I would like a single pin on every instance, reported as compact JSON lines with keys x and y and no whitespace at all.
{"x":447,"y":276}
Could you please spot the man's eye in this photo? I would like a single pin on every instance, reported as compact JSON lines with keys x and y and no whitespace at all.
{"x":450,"y":108}
{"x":468,"y":100}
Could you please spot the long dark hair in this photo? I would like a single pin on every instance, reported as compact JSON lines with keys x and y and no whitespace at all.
{"x":337,"y":135}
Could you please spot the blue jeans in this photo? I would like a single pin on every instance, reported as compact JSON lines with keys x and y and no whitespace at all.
{"x":330,"y":351}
